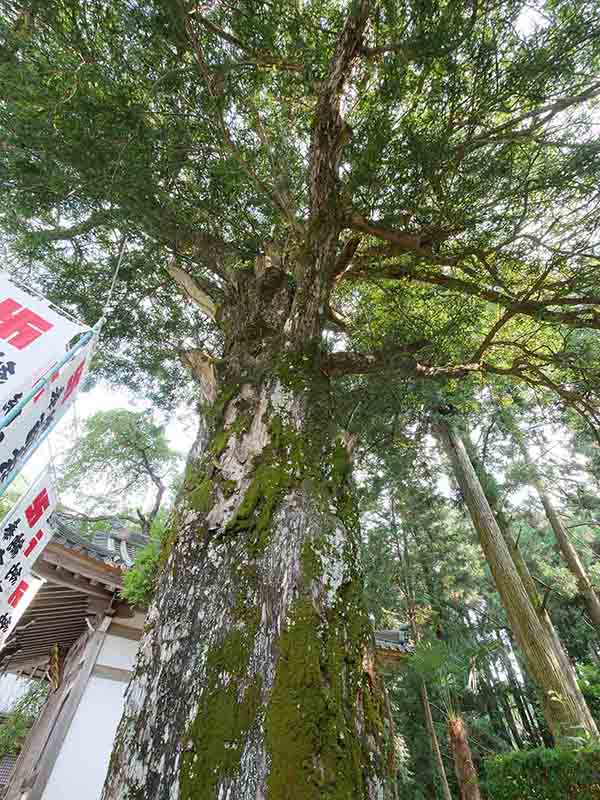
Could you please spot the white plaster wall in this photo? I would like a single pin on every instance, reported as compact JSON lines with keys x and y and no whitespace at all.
{"x":118,"y":652}
{"x":81,"y":766}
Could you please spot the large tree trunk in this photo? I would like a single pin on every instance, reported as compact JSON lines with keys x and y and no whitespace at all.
{"x":255,"y":676}
{"x":564,"y":706}
{"x":491,"y":493}
{"x":561,"y":534}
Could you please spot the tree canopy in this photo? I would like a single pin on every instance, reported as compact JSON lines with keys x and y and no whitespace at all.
{"x":451,"y":146}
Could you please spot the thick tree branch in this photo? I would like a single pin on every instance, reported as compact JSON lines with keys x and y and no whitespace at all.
{"x":335,"y":320}
{"x":400,"y":361}
{"x":347,"y":254}
{"x":187,"y":239}
{"x":403,"y":240}
{"x":328,"y":135}
{"x":539,"y":309}
{"x":422,"y":242}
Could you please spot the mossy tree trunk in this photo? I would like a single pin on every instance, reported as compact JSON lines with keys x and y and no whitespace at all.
{"x":255,"y":676}
{"x":564,"y":706}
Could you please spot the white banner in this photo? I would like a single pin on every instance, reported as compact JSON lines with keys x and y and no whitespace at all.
{"x":24,"y":533}
{"x":33,"y":337}
{"x":21,"y":436}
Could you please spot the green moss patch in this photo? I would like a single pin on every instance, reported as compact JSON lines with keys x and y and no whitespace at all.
{"x":215,"y":741}
{"x":321,"y":700}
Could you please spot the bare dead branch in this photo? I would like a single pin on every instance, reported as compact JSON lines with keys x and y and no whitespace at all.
{"x":192,"y":289}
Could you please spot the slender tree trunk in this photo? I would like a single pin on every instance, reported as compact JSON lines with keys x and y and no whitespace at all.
{"x":533,"y":703}
{"x":256,"y":675}
{"x":495,"y":714}
{"x":564,"y":705}
{"x":403,"y":557}
{"x":490,"y":491}
{"x":466,"y":774}
{"x":508,"y":713}
{"x":561,"y":534}
{"x":435,"y":742}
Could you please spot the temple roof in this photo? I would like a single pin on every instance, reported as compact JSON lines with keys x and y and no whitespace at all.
{"x":114,"y":543}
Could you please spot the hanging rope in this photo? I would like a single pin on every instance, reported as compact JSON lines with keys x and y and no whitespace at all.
{"x":114,"y":280}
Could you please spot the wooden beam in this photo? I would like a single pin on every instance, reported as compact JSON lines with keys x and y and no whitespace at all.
{"x":29,"y":664}
{"x":80,"y":564}
{"x":48,"y":569}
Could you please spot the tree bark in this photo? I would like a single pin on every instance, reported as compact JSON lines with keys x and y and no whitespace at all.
{"x":569,"y":553}
{"x":490,"y":490}
{"x":466,"y":774}
{"x":564,"y":706}
{"x":256,"y":676}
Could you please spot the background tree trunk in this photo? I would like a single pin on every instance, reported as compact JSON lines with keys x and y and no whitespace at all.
{"x":561,"y":534}
{"x":564,"y":706}
{"x":409,"y":593}
{"x":490,"y":490}
{"x":255,"y":677}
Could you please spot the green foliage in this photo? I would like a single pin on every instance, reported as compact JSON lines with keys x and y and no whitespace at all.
{"x":544,"y":774}
{"x":139,"y":582}
{"x":589,"y":682}
{"x":468,"y":136}
{"x":14,"y":729}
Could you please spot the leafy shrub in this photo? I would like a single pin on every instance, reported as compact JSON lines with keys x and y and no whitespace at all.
{"x":140,"y":580}
{"x":25,"y":711}
{"x":544,"y":774}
